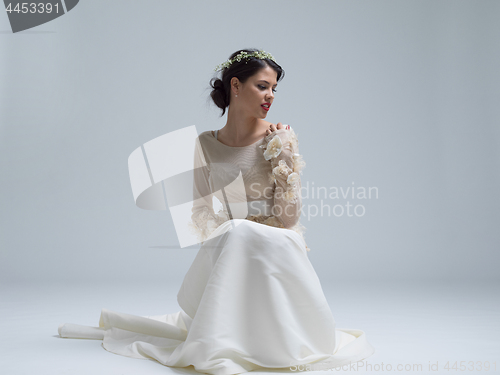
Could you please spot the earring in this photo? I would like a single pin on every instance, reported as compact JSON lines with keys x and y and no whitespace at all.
{"x":236,"y":96}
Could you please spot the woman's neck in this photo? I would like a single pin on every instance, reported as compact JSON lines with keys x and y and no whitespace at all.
{"x":241,"y":129}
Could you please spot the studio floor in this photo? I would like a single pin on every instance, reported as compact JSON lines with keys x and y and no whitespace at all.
{"x":415,"y":327}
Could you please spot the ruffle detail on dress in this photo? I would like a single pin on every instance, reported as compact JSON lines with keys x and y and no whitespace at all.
{"x":273,"y":148}
{"x":282,"y":171}
{"x":204,"y":222}
{"x":290,"y":175}
{"x":298,"y":163}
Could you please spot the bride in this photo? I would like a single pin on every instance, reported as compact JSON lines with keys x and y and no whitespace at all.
{"x":251,"y":299}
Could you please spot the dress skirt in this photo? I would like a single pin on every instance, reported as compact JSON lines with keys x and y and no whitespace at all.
{"x":250,"y":300}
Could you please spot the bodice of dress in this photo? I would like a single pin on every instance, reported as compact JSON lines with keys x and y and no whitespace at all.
{"x":269,"y":182}
{"x":228,"y":161}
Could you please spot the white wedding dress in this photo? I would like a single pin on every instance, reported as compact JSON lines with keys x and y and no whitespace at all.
{"x":251,"y":299}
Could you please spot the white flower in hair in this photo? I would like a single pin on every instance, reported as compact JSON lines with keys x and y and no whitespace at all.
{"x":292,"y":178}
{"x":273,"y":148}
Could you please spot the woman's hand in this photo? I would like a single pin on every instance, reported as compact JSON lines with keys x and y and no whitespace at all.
{"x":278,"y":126}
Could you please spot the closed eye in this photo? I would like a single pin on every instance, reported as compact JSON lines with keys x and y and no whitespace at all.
{"x":264,"y":87}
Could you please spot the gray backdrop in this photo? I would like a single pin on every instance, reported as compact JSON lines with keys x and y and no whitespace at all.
{"x":398,"y":95}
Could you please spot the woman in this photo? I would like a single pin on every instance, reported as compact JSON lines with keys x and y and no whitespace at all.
{"x":251,"y":299}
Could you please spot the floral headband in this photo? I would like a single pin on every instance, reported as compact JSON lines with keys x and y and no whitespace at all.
{"x":245,"y":55}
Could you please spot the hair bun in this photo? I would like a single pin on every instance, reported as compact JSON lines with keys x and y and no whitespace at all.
{"x":218,"y":84}
{"x":218,"y":94}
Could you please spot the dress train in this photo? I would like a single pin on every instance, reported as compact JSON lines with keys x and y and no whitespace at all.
{"x":251,"y":300}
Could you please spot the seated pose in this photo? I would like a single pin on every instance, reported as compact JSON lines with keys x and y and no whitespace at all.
{"x":251,"y":299}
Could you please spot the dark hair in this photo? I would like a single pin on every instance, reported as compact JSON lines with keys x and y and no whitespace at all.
{"x":242,"y":70}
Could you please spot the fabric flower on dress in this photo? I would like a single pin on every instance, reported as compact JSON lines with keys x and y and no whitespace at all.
{"x":298,"y":163}
{"x":271,"y":178}
{"x":289,"y":195}
{"x":282,"y":170}
{"x":293,"y":178}
{"x":294,"y":142}
{"x":273,"y":148}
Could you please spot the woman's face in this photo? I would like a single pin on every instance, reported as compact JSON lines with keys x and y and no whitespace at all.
{"x":256,"y":95}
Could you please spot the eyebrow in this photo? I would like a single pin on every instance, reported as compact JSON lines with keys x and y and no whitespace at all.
{"x":267,"y":82}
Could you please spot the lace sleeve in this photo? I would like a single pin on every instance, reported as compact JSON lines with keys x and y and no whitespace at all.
{"x":203,"y":219}
{"x":282,"y":150}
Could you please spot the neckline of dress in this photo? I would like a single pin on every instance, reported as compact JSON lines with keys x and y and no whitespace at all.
{"x":253,"y":144}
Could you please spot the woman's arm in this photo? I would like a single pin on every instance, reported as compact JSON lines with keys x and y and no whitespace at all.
{"x":203,"y":219}
{"x":282,"y":150}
